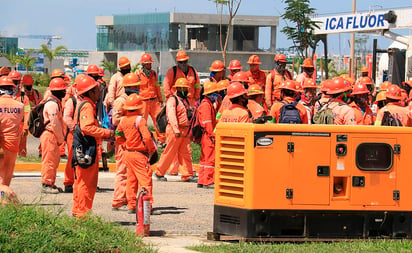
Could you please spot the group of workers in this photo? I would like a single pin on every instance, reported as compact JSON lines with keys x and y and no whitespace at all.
{"x":130,"y":97}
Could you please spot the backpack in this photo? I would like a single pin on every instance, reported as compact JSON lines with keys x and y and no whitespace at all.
{"x":190,"y":67}
{"x":389,"y":120}
{"x":36,"y":119}
{"x":289,"y":114}
{"x":84,"y":146}
{"x":196,"y":129}
{"x":155,"y":156}
{"x":161,"y":119}
{"x":324,"y":116}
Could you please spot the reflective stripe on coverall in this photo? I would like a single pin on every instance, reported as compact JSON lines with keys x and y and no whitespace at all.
{"x":68,"y":114}
{"x":192,"y":77}
{"x":85,"y":184}
{"x":11,"y":115}
{"x":399,"y":112}
{"x":272,"y":91}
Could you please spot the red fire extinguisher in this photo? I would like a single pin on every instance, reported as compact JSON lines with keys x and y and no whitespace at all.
{"x":143,"y":213}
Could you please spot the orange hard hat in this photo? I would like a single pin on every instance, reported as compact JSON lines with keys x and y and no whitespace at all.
{"x":240,"y":76}
{"x":346,"y":76}
{"x":338,"y":85}
{"x":254,"y":59}
{"x":280,"y":58}
{"x":131,"y":79}
{"x":182,"y":56}
{"x":133,"y":102}
{"x":101,"y":72}
{"x":182,"y":82}
{"x":236,"y":89}
{"x":146,"y":58}
{"x":217,"y":66}
{"x":6,"y":81}
{"x":309,"y":84}
{"x":4,"y":71}
{"x":360,"y":88}
{"x":222,"y":84}
{"x":15,"y":75}
{"x":235,"y":64}
{"x":78,"y":77}
{"x":385,"y":85}
{"x":351,"y":80}
{"x":255,"y":89}
{"x":366,"y":80}
{"x":124,"y":62}
{"x":92,"y":70}
{"x":394,"y":92}
{"x":27,"y":80}
{"x":85,"y":84}
{"x":209,"y":87}
{"x":381,"y":96}
{"x":291,"y":85}
{"x":57,"y":84}
{"x":307,"y":63}
{"x":57,"y":73}
{"x":364,"y":69}
{"x":324,"y":87}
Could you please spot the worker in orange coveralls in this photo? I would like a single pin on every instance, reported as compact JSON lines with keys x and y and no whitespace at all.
{"x":225,"y":104}
{"x":275,"y":78}
{"x":53,"y":136}
{"x":20,"y":96}
{"x":308,"y":97}
{"x":115,"y":88}
{"x":363,"y":112}
{"x":234,"y":67}
{"x":207,"y":119}
{"x":255,"y":101}
{"x":177,"y":134}
{"x":4,"y":71}
{"x":131,"y":84}
{"x":85,"y":185}
{"x":11,"y":115}
{"x":254,"y":73}
{"x":238,"y":112}
{"x":182,"y":69}
{"x":132,"y":132}
{"x":150,"y":92}
{"x":34,"y":95}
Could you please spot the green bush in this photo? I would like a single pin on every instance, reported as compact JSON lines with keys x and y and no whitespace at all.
{"x":41,"y":79}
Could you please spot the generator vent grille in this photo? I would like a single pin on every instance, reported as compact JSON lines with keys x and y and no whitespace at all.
{"x":229,"y":219}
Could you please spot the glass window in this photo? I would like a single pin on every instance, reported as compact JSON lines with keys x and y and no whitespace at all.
{"x":374,"y":156}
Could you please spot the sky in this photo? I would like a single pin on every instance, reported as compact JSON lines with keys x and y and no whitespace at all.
{"x":74,"y":20}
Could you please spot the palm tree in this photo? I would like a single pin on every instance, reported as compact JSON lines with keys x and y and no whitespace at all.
{"x":13,"y":58}
{"x":109,"y":66}
{"x":50,"y":54}
{"x":27,"y":60}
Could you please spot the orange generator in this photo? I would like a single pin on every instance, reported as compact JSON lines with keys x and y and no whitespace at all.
{"x":313,"y":181}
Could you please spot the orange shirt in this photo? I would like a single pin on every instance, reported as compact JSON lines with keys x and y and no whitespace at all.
{"x":277,"y":107}
{"x":52,"y":113}
{"x":127,"y":132}
{"x":258,"y":77}
{"x":363,"y":118}
{"x":34,"y":97}
{"x":177,"y":113}
{"x":115,"y":89}
{"x":399,"y":112}
{"x":118,"y":111}
{"x":343,"y":114}
{"x":68,"y":114}
{"x":207,"y":116}
{"x":273,"y":81}
{"x":11,"y":115}
{"x":192,"y":77}
{"x":301,"y":78}
{"x":235,"y":114}
{"x":256,"y":109}
{"x":150,"y":86}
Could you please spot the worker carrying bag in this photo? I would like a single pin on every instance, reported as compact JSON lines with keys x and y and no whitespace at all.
{"x":36,"y":119}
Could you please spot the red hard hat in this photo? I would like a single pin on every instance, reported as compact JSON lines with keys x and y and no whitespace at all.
{"x":4,"y":71}
{"x":182,"y":56}
{"x":280,"y":58}
{"x":235,"y":64}
{"x":255,"y":89}
{"x":366,"y":80}
{"x":15,"y":75}
{"x":101,"y":72}
{"x":309,"y":84}
{"x":146,"y":58}
{"x":57,"y":73}
{"x":291,"y":85}
{"x":131,"y":79}
{"x":338,"y":85}
{"x":223,"y":84}
{"x":236,"y":89}
{"x":133,"y":102}
{"x":123,"y":62}
{"x":325,"y":85}
{"x":307,"y":63}
{"x":217,"y":66}
{"x":364,"y":69}
{"x":360,"y":88}
{"x":27,"y":80}
{"x":254,"y":59}
{"x":57,"y":84}
{"x":85,"y":83}
{"x":6,"y":81}
{"x":394,"y":92}
{"x":209,"y":87}
{"x":240,"y":76}
{"x":92,"y":70}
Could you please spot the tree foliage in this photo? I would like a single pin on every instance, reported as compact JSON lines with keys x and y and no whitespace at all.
{"x":300,"y":26}
{"x":109,"y":66}
{"x":27,"y":60}
{"x":13,"y":58}
{"x":50,"y":54}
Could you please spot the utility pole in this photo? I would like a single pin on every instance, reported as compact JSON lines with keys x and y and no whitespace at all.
{"x":352,"y":46}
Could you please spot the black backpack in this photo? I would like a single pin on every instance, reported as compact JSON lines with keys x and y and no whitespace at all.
{"x":389,"y":120}
{"x":84,"y":146}
{"x":36,"y":119}
{"x":161,"y":119}
{"x":196,"y":129}
{"x":289,"y":114}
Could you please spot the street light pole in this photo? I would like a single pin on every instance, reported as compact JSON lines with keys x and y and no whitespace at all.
{"x":352,"y":70}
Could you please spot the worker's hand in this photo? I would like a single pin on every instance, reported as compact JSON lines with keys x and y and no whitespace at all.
{"x":212,"y":138}
{"x":177,"y":135}
{"x":111,"y":134}
{"x":25,"y":132}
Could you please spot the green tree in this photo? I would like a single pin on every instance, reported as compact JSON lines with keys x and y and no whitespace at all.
{"x":50,"y":54}
{"x":300,"y":29}
{"x":27,"y":60}
{"x":233,"y":7}
{"x":109,"y":66}
{"x":13,"y":59}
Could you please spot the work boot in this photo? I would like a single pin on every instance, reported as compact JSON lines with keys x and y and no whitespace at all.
{"x":192,"y":179}
{"x":51,"y":189}
{"x":211,"y":186}
{"x":160,"y":178}
{"x":199,"y":186}
{"x":68,"y":188}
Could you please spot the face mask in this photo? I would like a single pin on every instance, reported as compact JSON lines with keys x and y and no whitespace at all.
{"x":182,"y":94}
{"x":130,"y":91}
{"x":6,"y":92}
{"x":213,"y":97}
{"x":222,"y":93}
{"x":59,"y":94}
{"x":125,"y":71}
{"x":244,"y":101}
{"x":346,"y":98}
{"x":95,"y":77}
{"x":28,"y":88}
{"x":280,"y":68}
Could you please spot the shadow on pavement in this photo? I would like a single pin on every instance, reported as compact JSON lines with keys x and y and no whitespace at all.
{"x":168,"y":210}
{"x":44,"y":204}
{"x":104,"y":189}
{"x":157,"y":233}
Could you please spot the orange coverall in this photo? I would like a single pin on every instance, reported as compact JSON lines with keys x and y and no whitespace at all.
{"x":24,"y":125}
{"x":226,"y":104}
{"x":255,"y":108}
{"x":34,"y":97}
{"x":343,"y":114}
{"x":235,"y":114}
{"x":85,"y":184}
{"x":119,"y":195}
{"x":258,"y":77}
{"x":277,"y":107}
{"x":273,"y":81}
{"x":11,"y":115}
{"x":115,"y":89}
{"x":139,"y":173}
{"x":401,"y":113}
{"x":207,"y":119}
{"x":176,"y":146}
{"x":363,"y":117}
{"x":302,"y":77}
{"x":51,"y":139}
{"x":68,"y":118}
{"x":152,"y":98}
{"x":192,"y":77}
